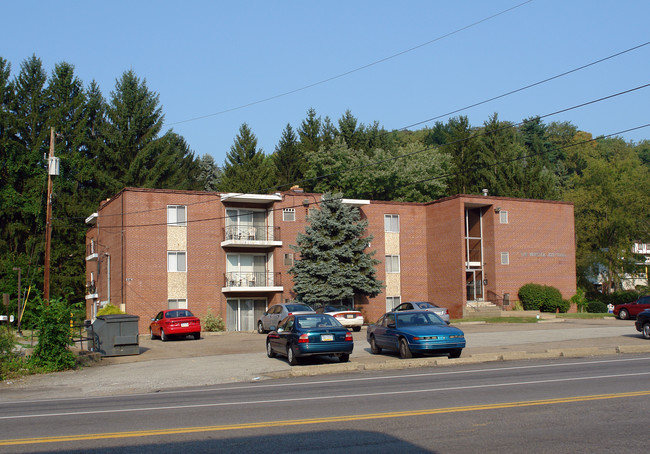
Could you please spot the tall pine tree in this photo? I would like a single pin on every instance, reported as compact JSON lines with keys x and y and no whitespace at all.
{"x":247,"y":169}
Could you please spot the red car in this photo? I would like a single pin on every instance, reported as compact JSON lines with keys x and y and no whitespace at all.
{"x":631,"y":310}
{"x":175,"y":322}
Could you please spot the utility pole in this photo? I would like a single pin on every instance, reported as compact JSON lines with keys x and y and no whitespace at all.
{"x":52,"y":170}
{"x":20,"y":307}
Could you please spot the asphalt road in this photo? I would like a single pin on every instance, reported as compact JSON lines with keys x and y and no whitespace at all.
{"x":553,"y":405}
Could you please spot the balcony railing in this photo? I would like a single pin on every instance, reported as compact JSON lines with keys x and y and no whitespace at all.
{"x":251,"y":233}
{"x":91,"y":250}
{"x":252,"y":279}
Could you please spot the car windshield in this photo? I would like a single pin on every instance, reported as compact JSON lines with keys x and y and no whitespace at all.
{"x":317,"y":321}
{"x":178,"y":313}
{"x":418,"y":319}
{"x":298,"y":308}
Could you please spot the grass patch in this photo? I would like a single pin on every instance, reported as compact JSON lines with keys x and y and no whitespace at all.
{"x":497,"y":319}
{"x":585,"y":315}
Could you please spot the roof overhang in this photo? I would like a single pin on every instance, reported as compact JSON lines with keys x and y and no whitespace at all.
{"x":250,"y":198}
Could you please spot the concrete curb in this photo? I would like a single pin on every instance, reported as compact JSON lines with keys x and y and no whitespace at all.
{"x":396,"y":364}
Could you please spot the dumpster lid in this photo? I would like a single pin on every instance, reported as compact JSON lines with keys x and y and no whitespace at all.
{"x":119,"y":317}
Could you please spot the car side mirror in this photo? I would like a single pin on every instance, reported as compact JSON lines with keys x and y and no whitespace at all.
{"x":153,"y":319}
{"x":266,"y":313}
{"x":447,"y":322}
{"x":279,"y":330}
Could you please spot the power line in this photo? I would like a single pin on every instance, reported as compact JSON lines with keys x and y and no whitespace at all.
{"x":352,"y":71}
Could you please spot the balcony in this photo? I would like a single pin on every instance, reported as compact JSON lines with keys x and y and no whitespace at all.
{"x":91,"y":290}
{"x":91,"y":251}
{"x":235,"y":281}
{"x":251,"y":236}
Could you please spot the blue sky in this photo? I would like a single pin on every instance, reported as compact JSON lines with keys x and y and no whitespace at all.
{"x":206,"y":57}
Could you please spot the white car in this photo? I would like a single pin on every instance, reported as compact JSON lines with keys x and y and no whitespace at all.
{"x":441,"y":312}
{"x":348,"y":317}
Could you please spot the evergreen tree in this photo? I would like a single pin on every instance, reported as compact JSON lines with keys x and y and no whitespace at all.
{"x":333,"y":263}
{"x":247,"y":170}
{"x":288,"y":159}
{"x":463,"y":150}
{"x":352,"y":133}
{"x":310,"y":133}
{"x":209,"y":173}
{"x":134,"y":121}
{"x":539,"y":180}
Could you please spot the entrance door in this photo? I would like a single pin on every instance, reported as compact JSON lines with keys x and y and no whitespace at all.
{"x":242,"y":314}
{"x":474,"y":284}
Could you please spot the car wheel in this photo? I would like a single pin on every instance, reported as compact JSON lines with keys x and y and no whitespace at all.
{"x":356,"y":329}
{"x":404,"y":350}
{"x":374,"y":348}
{"x":260,"y":328}
{"x":646,"y":330}
{"x":291,"y":356}
{"x":151,"y":334}
{"x":197,"y":336}
{"x":623,"y":314}
{"x":163,"y":336}
{"x":269,"y":350}
{"x":344,"y":357}
{"x":455,"y":353}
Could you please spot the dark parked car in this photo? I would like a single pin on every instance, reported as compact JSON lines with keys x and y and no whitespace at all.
{"x":643,"y":323}
{"x":631,"y":310}
{"x":412,"y":332}
{"x":174,"y":322}
{"x":278,"y":312}
{"x":309,"y":334}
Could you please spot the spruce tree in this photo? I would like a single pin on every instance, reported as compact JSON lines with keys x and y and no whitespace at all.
{"x":333,"y":263}
{"x":288,"y":158}
{"x":247,"y":169}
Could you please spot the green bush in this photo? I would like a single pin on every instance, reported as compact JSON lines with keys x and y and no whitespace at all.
{"x":620,"y":297}
{"x":109,"y":309}
{"x":537,"y":297}
{"x":213,"y":322}
{"x":51,"y":353}
{"x":596,"y":307}
{"x":579,"y":299}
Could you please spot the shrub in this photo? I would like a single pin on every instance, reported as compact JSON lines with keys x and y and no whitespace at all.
{"x":596,"y":307}
{"x":109,"y":309}
{"x":579,"y":299}
{"x":541,"y":297}
{"x":530,"y":296}
{"x":213,"y":322}
{"x":51,"y":353}
{"x":621,"y":297}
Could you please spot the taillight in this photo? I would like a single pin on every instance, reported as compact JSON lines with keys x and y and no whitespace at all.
{"x":304,"y":339}
{"x":348,"y":336}
{"x":446,"y":311}
{"x":339,"y":316}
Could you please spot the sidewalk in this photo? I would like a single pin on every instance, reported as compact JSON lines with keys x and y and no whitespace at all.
{"x":240,"y":357}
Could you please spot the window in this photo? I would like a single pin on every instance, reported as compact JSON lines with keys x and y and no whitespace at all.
{"x":288,"y":259}
{"x":503,"y":217}
{"x":289,"y":214}
{"x":176,"y":303}
{"x":391,"y":223}
{"x":392,"y":263}
{"x":176,"y":261}
{"x":392,"y":302}
{"x":505,"y":258}
{"x":176,"y":215}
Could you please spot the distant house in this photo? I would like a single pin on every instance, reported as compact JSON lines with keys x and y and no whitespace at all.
{"x":150,"y":249}
{"x":630,"y":281}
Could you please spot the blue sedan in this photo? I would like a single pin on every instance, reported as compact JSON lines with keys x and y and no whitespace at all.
{"x":309,"y":334}
{"x":414,"y":332}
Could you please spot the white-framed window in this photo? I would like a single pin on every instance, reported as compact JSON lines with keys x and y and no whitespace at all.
{"x":392,"y":302}
{"x":176,"y":215}
{"x":391,"y":223}
{"x":289,"y":214}
{"x":176,"y":261}
{"x":288,"y":259}
{"x":176,"y":303}
{"x":503,"y":217}
{"x":505,"y":258}
{"x":392,"y":263}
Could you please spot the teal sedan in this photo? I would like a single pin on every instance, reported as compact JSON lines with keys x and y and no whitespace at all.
{"x":302,"y":335}
{"x":415,"y":332}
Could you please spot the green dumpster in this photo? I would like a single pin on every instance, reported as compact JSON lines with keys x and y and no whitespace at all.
{"x":116,"y":335}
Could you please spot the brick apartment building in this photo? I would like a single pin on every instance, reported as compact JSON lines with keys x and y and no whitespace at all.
{"x":229,"y":254}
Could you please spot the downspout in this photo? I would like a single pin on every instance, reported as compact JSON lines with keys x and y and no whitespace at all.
{"x":108,"y":279}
